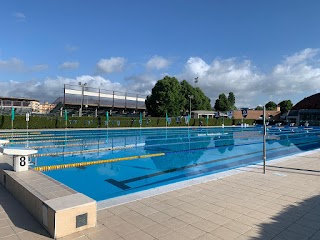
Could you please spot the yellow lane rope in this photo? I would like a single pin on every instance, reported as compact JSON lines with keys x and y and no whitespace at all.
{"x":81,"y":164}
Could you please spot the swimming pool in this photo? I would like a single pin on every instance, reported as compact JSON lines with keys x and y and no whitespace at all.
{"x":128,"y":161}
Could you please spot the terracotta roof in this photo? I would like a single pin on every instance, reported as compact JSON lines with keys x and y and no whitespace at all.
{"x":256,"y":114}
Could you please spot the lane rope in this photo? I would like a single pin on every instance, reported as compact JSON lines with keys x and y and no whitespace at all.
{"x":83,"y":151}
{"x":82,"y":164}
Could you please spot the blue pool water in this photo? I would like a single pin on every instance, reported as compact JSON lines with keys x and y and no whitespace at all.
{"x":188,"y":153}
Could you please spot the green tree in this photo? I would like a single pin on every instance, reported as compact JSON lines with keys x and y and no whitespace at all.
{"x":285,"y":106}
{"x":222,"y":103}
{"x":259,"y":108}
{"x":232,"y":100}
{"x":271,"y":106}
{"x":186,"y":91}
{"x":200,"y":100}
{"x":165,"y":98}
{"x":168,"y":95}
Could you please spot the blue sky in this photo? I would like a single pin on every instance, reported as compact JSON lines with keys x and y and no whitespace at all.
{"x":260,"y":50}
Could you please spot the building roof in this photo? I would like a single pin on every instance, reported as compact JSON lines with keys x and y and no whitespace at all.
{"x":311,"y":102}
{"x":256,"y":114}
{"x":18,"y":99}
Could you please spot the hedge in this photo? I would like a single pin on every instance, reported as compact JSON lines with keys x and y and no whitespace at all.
{"x":42,"y":122}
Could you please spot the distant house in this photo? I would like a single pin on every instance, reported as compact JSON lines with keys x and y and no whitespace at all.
{"x":258,"y":114}
{"x":203,"y":114}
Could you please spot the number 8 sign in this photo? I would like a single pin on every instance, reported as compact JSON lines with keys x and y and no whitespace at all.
{"x":21,"y":163}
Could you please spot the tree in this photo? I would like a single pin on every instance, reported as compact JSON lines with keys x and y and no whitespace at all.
{"x":170,"y":96}
{"x":232,"y":100}
{"x":285,"y":106}
{"x":259,"y":108}
{"x":200,"y":100}
{"x":186,"y":91}
{"x":222,"y":103}
{"x":165,"y":98}
{"x":271,"y":106}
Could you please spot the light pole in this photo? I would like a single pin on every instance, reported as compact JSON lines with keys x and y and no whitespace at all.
{"x":190,"y":97}
{"x":264,"y":140}
{"x":195,"y":82}
{"x":82,"y":96}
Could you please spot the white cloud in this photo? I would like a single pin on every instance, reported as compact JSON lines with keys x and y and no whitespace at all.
{"x":39,"y":67}
{"x":197,"y":67}
{"x":69,"y":65}
{"x":114,"y":64}
{"x":20,"y":17}
{"x":302,"y":56}
{"x":223,"y":76}
{"x":157,"y":62}
{"x":13,"y":64}
{"x":142,"y":83}
{"x":298,"y":73}
{"x":51,"y":88}
{"x":17,"y":65}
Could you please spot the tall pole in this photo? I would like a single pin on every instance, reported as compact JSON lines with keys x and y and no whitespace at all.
{"x":82,"y":96}
{"x":27,"y":120}
{"x":190,"y":97}
{"x":82,"y":93}
{"x":264,"y":140}
{"x":190,"y":106}
{"x":64,"y":95}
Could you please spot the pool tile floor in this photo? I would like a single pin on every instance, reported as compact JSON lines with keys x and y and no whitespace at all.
{"x":283,"y":204}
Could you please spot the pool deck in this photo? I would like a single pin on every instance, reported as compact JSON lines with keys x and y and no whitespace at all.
{"x":282,"y":204}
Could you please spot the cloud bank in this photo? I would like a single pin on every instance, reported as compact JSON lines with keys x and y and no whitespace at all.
{"x":296,"y":74}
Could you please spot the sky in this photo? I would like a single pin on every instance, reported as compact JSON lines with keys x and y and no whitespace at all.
{"x":261,"y":50}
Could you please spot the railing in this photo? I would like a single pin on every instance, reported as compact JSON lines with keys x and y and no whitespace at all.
{"x":96,"y":97}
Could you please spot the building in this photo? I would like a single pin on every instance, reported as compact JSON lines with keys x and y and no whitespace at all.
{"x":46,"y":107}
{"x":82,"y":100}
{"x":271,"y":115}
{"x":258,"y":114}
{"x":306,"y":112}
{"x":21,"y":105}
{"x":203,"y":114}
{"x":39,"y":108}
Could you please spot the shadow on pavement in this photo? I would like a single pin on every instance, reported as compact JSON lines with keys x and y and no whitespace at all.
{"x":15,"y":220}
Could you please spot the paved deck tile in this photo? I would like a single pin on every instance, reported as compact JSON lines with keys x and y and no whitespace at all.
{"x":282,"y":204}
